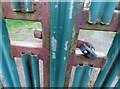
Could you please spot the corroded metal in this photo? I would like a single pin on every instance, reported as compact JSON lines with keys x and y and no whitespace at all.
{"x":17,"y":47}
{"x":6,"y":8}
{"x":38,"y":34}
{"x":42,"y":50}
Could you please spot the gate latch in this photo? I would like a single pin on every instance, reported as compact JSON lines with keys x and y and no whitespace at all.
{"x":88,"y":51}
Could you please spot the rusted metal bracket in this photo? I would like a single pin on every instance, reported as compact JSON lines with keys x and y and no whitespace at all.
{"x":17,"y":47}
{"x":37,"y":15}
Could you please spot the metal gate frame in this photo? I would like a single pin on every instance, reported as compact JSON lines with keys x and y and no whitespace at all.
{"x":42,"y":14}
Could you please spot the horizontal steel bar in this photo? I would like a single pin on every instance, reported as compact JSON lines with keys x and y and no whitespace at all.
{"x":26,"y":47}
{"x":80,"y":59}
{"x":17,"y":47}
{"x":38,"y":14}
{"x":6,"y":8}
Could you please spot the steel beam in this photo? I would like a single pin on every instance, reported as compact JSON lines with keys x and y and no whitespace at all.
{"x":9,"y":69}
{"x":112,"y":57}
{"x":26,"y":47}
{"x":31,"y":70}
{"x":27,"y":69}
{"x":112,"y":73}
{"x":37,"y":16}
{"x":82,"y":76}
{"x":117,"y":85}
{"x":17,"y":47}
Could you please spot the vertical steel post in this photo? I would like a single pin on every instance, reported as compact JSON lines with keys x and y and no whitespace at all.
{"x":94,"y":11}
{"x":26,"y":67}
{"x":86,"y":76}
{"x":82,"y":76}
{"x":60,"y":40}
{"x":16,"y":6}
{"x":78,"y":76}
{"x":7,"y":61}
{"x":31,"y":70}
{"x":117,"y":84}
{"x":28,"y":5}
{"x":112,"y":54}
{"x":35,"y":71}
{"x":78,"y":20}
{"x":113,"y":73}
{"x":6,"y":74}
{"x":108,"y":11}
{"x":1,"y":86}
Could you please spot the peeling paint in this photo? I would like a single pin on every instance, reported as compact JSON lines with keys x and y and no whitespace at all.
{"x":66,"y":46}
{"x":64,"y":58}
{"x":71,"y":9}
{"x":54,"y":44}
{"x":90,"y":72}
{"x":61,"y":27}
{"x":53,"y":55}
{"x":56,"y":6}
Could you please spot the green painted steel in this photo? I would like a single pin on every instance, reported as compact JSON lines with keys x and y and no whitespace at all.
{"x":112,"y":54}
{"x":54,"y":13}
{"x":86,"y":76}
{"x":6,"y":74}
{"x":113,"y":73}
{"x":61,"y":30}
{"x":7,"y":61}
{"x":1,"y":86}
{"x":78,"y":76}
{"x":117,"y":84}
{"x":35,"y":71}
{"x":31,"y":70}
{"x":28,"y":6}
{"x":16,"y":6}
{"x":82,"y":76}
{"x":26,"y":67}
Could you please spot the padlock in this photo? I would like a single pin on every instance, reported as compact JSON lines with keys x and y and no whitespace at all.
{"x":88,"y":51}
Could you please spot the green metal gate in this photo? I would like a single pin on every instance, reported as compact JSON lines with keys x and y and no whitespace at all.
{"x":61,"y":30}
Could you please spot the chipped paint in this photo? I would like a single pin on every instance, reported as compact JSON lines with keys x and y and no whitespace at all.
{"x":90,"y":72}
{"x":66,"y":46}
{"x":56,"y":6}
{"x":54,"y":44}
{"x":64,"y":58}
{"x":71,"y":9}
{"x":53,"y":55}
